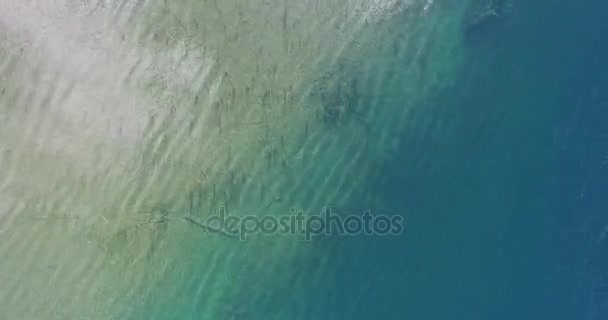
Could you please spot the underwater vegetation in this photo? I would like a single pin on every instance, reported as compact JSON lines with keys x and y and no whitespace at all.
{"x":339,"y":97}
{"x":142,"y":237}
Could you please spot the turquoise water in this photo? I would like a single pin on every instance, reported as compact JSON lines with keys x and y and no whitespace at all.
{"x":504,"y":193}
{"x":481,"y":123}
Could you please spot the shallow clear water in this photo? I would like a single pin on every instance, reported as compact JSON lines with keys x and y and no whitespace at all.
{"x":125,"y":124}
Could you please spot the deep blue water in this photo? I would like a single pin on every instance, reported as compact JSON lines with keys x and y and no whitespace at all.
{"x":505,"y":201}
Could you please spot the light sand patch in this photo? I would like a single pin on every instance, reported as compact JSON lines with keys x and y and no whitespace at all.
{"x":115,"y":114}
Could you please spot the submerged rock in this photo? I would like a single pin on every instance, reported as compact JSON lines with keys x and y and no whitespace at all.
{"x":485,"y":16}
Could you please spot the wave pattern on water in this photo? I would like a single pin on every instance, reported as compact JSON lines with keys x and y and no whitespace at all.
{"x":123,"y":117}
